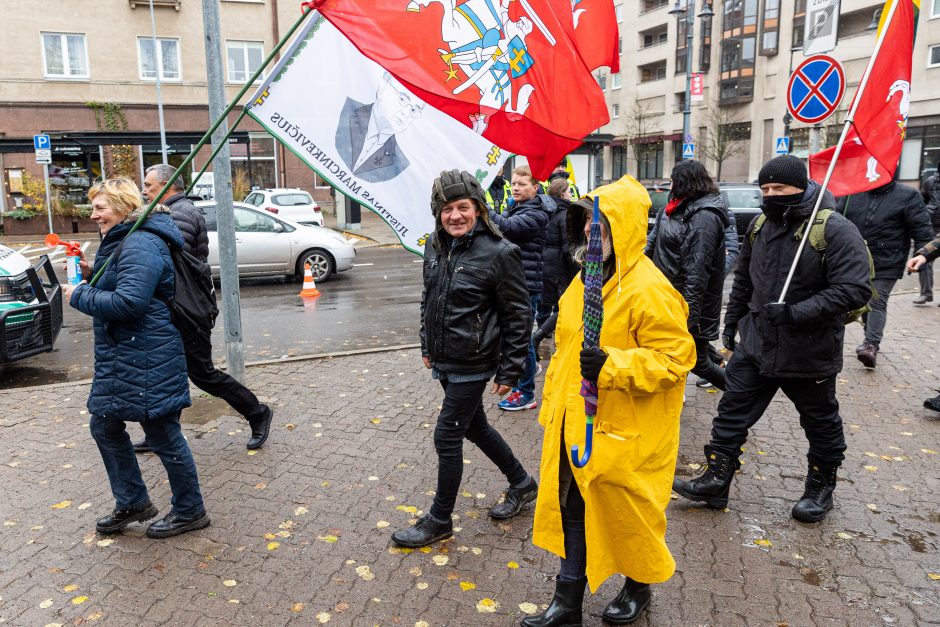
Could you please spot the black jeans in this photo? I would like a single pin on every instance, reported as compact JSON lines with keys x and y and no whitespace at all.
{"x":462,"y":416}
{"x":208,"y":378}
{"x":705,"y":366}
{"x":748,"y":394}
{"x":876,"y":319}
{"x":574,"y":564}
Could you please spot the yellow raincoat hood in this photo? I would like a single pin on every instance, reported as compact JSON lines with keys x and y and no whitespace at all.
{"x":627,"y":482}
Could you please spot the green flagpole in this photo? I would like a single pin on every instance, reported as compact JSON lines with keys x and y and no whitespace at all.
{"x":205,"y":138}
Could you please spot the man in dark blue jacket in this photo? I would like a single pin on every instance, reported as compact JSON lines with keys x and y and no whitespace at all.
{"x":525,"y":223}
{"x":202,"y":371}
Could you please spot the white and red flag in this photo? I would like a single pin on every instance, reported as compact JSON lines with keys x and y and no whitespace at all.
{"x":516,"y":71}
{"x":872,"y":147}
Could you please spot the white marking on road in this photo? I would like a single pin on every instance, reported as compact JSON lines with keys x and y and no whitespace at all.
{"x":417,"y":261}
{"x":357,"y":265}
{"x":23,"y":250}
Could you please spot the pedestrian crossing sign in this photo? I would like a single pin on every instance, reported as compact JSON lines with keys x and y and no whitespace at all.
{"x":783,"y":146}
{"x":688,"y":151}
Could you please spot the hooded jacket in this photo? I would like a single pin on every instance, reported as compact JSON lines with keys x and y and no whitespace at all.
{"x":192,"y":225}
{"x":690,"y":250}
{"x":525,"y":225}
{"x":627,"y":483}
{"x":475,"y":310}
{"x":140,"y":366}
{"x":888,"y":218}
{"x":823,"y":290}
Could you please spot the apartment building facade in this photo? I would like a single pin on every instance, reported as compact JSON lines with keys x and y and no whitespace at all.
{"x":746,"y":53}
{"x":86,"y":73}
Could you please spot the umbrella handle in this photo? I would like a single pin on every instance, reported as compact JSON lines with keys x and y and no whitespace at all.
{"x":581,"y":462}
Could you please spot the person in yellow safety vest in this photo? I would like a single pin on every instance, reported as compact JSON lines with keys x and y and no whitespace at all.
{"x":565,"y":171}
{"x":499,"y":194}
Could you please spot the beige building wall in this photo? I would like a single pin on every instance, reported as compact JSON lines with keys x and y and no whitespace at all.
{"x":766,"y":109}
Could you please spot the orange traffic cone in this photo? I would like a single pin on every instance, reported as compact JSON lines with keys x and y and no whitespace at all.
{"x":310,"y":287}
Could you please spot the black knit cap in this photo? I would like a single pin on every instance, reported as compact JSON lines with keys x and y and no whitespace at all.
{"x":785,"y":169}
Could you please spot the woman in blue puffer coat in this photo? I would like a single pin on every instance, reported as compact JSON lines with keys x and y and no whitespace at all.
{"x":140,"y":366}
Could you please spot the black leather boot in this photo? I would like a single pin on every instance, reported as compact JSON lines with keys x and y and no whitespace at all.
{"x":629,"y":604}
{"x":565,"y":608}
{"x":173,"y":524}
{"x":260,"y":429}
{"x":817,"y":496}
{"x":516,"y":499}
{"x":713,"y":485}
{"x":933,"y":403}
{"x":424,"y":532}
{"x":122,"y":517}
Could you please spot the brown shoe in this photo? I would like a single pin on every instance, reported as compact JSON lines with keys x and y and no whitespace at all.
{"x":867,"y":353}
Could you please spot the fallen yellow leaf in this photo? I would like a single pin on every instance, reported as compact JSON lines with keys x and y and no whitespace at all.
{"x":440,"y":560}
{"x":872,"y":507}
{"x":297,"y":608}
{"x":933,"y":576}
{"x":382,"y":524}
{"x":763,"y":542}
{"x":375,"y":421}
{"x":425,"y":549}
{"x":273,"y":545}
{"x":105,"y":542}
{"x":365,"y":573}
{"x":45,"y":604}
{"x":487,"y":605}
{"x":252,"y":452}
{"x":513,"y":565}
{"x":79,"y":600}
{"x":228,"y":583}
{"x":415,"y":571}
{"x":844,"y":535}
{"x":70,"y":588}
{"x":421,"y":585}
{"x":329,"y":539}
{"x":269,"y":536}
{"x":290,"y":427}
{"x":300,"y":511}
{"x":871,"y":468}
{"x":61,"y":504}
{"x":467,"y":585}
{"x":411,"y":509}
{"x":528,"y":608}
{"x":98,"y":614}
{"x":928,"y":451}
{"x":324,"y":617}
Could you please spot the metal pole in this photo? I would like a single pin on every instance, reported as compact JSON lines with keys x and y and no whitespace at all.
{"x":215,"y":151}
{"x":158,"y":62}
{"x":814,"y":138}
{"x":689,"y":34}
{"x":222,"y":169}
{"x":45,"y":172}
{"x":838,"y":150}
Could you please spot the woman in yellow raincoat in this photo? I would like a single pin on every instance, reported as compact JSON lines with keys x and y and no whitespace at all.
{"x":610,"y":516}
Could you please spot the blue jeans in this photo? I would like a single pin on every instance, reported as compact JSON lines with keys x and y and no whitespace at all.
{"x":527,"y":382}
{"x":165,"y":437}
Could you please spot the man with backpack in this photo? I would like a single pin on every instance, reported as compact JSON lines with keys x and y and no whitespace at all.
{"x":888,"y":217}
{"x":197,"y":338}
{"x":794,"y":346}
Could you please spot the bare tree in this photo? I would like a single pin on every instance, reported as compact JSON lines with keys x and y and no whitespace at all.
{"x":639,"y":126}
{"x":725,"y":136}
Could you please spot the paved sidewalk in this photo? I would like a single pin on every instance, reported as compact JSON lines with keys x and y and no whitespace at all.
{"x":300,"y":530}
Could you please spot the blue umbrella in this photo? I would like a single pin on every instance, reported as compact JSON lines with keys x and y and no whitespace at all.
{"x":593,"y":321}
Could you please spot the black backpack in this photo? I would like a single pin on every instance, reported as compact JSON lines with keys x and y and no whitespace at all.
{"x":193,"y":306}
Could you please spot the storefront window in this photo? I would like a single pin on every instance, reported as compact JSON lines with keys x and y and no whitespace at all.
{"x":649,"y":160}
{"x":71,"y":174}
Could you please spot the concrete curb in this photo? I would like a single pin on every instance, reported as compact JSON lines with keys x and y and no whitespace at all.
{"x":250,"y":364}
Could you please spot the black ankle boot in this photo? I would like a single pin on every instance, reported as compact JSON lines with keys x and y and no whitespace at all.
{"x":122,"y":517}
{"x":629,"y":604}
{"x":565,"y":608}
{"x":713,"y":485}
{"x":516,"y":499}
{"x":424,"y":532}
{"x":817,"y":496}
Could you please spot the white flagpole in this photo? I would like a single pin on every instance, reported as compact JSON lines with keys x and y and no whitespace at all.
{"x":835,"y":155}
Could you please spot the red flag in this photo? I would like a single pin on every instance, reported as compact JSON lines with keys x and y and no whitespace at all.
{"x":511,"y":69}
{"x":596,"y":33}
{"x":873,"y":144}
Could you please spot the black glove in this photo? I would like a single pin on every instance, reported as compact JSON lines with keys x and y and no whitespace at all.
{"x":727,"y":337}
{"x":592,"y":360}
{"x":778,"y":314}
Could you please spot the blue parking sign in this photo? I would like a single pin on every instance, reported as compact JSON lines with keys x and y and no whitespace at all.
{"x":41,"y":142}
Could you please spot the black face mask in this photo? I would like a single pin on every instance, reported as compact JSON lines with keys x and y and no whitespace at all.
{"x":776,"y":206}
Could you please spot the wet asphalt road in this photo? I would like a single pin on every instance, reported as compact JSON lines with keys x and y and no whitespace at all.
{"x":372,"y":305}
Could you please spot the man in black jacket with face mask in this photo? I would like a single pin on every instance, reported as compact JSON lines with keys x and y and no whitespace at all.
{"x":794,"y":346}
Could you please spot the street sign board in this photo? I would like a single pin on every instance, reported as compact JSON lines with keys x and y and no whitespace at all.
{"x":816,"y":88}
{"x":821,"y":26}
{"x":696,"y":88}
{"x":44,"y":155}
{"x":688,"y":151}
{"x":42,"y":142}
{"x":783,"y":146}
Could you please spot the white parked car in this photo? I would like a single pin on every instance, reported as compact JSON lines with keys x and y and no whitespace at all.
{"x":271,"y":245}
{"x":293,"y":204}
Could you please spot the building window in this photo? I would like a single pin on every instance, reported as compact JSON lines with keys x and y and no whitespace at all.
{"x":615,"y":81}
{"x":935,"y":8}
{"x":654,"y":37}
{"x":799,"y":23}
{"x":652,"y":71}
{"x":680,"y":101}
{"x":933,"y":55}
{"x":602,"y":80}
{"x":253,"y":163}
{"x":244,"y":59}
{"x":652,"y":5}
{"x":64,"y":55}
{"x":770,"y":28}
{"x":738,"y":51}
{"x":615,"y":111}
{"x":166,"y":64}
{"x":682,"y":43}
{"x":736,"y":90}
{"x":705,"y":47}
{"x":649,"y":160}
{"x":618,"y":157}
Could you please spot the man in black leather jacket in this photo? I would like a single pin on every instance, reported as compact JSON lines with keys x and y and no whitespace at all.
{"x":475,"y":326}
{"x":794,"y":346}
{"x":202,"y":370}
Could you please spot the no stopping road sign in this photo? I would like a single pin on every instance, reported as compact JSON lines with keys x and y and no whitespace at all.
{"x":816,"y":89}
